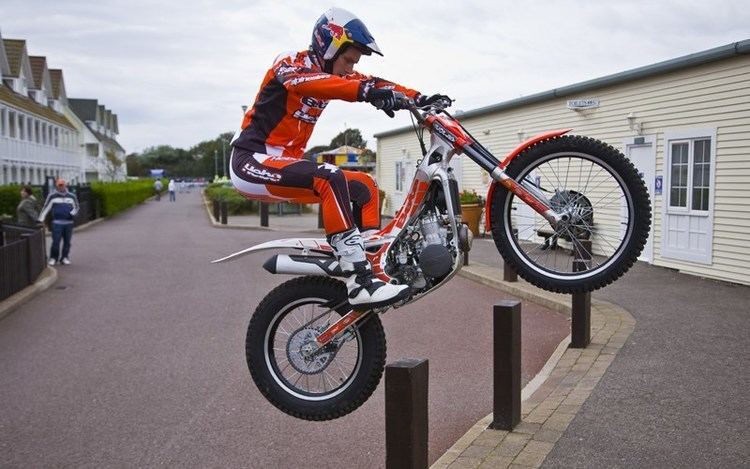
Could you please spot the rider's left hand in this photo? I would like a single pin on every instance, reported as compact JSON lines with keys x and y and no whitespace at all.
{"x":424,"y":100}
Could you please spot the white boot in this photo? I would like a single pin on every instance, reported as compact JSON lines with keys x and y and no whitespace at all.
{"x":364,"y":289}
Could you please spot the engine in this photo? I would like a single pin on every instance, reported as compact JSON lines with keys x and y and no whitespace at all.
{"x":425,"y":253}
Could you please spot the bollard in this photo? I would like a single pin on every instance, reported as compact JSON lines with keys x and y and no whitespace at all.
{"x":580,"y":324}
{"x":223,"y":212}
{"x":509,"y":273}
{"x":506,"y":389}
{"x":466,"y":257}
{"x":263,"y":214}
{"x":406,"y":422}
{"x":320,"y":217}
{"x":217,"y":213}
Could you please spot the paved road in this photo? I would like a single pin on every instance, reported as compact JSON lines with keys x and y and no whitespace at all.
{"x":136,"y":357}
{"x":677,"y":393}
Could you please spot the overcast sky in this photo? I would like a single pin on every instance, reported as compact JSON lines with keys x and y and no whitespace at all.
{"x":178,"y":72}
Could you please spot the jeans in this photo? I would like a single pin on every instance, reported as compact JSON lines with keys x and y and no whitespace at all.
{"x":171,"y":196}
{"x":64,"y":232}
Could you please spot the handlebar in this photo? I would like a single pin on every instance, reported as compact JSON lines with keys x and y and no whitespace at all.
{"x":404,"y":102}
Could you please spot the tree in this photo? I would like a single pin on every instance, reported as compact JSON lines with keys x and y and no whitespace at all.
{"x":113,"y":165}
{"x":351,"y":137}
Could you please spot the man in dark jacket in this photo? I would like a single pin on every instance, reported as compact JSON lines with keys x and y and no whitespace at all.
{"x":64,"y":206}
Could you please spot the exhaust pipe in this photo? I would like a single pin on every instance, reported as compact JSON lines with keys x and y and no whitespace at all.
{"x":303,"y":265}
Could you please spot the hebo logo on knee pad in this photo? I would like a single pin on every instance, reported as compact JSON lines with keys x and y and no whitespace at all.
{"x":261,"y":173}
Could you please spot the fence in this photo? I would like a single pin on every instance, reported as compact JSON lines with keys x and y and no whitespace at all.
{"x":22,"y":257}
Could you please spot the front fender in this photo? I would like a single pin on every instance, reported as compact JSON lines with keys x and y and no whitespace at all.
{"x":510,"y":157}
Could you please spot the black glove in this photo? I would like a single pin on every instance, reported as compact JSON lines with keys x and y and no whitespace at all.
{"x":383,"y":99}
{"x":422,"y":100}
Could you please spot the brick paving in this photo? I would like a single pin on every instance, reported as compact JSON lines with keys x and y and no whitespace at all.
{"x":546,"y":414}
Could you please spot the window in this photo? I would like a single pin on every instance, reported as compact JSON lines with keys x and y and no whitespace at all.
{"x":21,"y":127}
{"x":30,"y":126}
{"x":44,"y":133}
{"x":690,"y":174}
{"x":36,"y":131}
{"x":400,"y":173}
{"x":11,"y":124}
{"x":57,"y":137}
{"x":2,"y":122}
{"x":92,"y":149}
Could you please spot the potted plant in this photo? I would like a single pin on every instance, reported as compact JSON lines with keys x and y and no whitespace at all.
{"x":471,"y":209}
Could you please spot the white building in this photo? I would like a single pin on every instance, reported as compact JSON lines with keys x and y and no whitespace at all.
{"x":35,"y":140}
{"x":98,"y":129}
{"x":40,"y":135}
{"x":685,"y":124}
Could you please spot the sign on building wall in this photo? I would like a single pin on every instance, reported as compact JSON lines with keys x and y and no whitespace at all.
{"x":581,"y":104}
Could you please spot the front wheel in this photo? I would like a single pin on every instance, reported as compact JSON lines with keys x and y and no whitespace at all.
{"x":604,"y":203}
{"x":324,"y":385}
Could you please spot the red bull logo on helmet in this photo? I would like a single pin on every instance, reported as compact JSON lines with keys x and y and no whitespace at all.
{"x":339,"y":34}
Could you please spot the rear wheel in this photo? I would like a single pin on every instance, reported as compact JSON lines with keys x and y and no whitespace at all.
{"x":603,"y":200}
{"x":328,"y":383}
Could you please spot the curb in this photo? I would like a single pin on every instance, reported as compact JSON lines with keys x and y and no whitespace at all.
{"x":46,"y":279}
{"x":558,"y":391}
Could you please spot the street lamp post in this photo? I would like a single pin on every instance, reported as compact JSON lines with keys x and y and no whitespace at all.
{"x":223,"y":159}
{"x":216,"y":165}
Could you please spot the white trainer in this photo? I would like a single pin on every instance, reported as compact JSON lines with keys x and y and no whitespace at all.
{"x":65,"y":261}
{"x":51,"y":261}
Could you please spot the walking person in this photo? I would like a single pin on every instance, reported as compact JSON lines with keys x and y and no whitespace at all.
{"x":171,"y":187}
{"x":27,"y":211}
{"x":63,"y":205}
{"x":158,"y":188}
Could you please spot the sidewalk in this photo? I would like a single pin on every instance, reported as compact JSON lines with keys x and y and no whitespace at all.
{"x":663,"y":383}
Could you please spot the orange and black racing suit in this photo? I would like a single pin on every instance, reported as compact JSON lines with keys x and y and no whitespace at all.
{"x":267,"y":158}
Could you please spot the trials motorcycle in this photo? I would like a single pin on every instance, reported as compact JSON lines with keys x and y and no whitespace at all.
{"x":316,"y":358}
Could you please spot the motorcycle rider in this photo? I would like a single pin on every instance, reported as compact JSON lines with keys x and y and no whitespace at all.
{"x":267,"y":156}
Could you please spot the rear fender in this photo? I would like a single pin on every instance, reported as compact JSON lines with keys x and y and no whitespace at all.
{"x":510,"y":157}
{"x":309,"y":244}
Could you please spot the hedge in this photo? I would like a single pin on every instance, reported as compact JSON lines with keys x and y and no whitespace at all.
{"x":236,"y":203}
{"x":116,"y":197}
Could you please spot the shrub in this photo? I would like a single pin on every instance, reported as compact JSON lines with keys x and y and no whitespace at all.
{"x":116,"y":197}
{"x":470,"y":197}
{"x":236,"y":203}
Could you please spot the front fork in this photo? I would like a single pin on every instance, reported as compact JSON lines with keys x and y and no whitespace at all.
{"x":533,"y":199}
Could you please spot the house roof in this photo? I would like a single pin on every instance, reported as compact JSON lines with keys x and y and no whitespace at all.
{"x":85,"y":109}
{"x":680,"y":63}
{"x":342,"y":150}
{"x":38,"y":64}
{"x":27,"y":104}
{"x":14,"y":50}
{"x":104,"y":139}
{"x":56,"y":77}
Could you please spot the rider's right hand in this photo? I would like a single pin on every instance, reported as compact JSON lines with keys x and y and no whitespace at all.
{"x":383,"y":99}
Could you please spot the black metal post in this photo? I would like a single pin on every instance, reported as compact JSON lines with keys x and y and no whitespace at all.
{"x":223,"y":212}
{"x":509,"y":273}
{"x":506,"y":390}
{"x":320,"y":217}
{"x":217,"y":212}
{"x":406,"y":424}
{"x":466,"y":257}
{"x":263,"y":214}
{"x":580,"y":325}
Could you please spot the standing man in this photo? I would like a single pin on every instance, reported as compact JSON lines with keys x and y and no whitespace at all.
{"x":64,"y":206}
{"x":171,"y":187}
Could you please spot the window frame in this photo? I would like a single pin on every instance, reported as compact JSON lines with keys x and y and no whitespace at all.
{"x":689,"y":136}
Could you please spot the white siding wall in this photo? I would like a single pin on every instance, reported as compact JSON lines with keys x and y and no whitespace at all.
{"x":715,"y":95}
